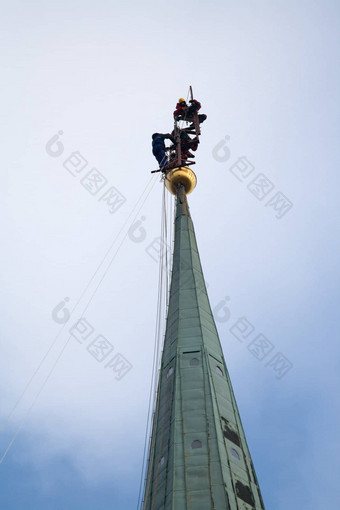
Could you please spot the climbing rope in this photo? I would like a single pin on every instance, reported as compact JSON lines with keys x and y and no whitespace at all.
{"x":138,"y":205}
{"x":162,"y":305}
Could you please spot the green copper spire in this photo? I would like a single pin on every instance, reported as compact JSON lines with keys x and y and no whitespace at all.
{"x":199,"y":458}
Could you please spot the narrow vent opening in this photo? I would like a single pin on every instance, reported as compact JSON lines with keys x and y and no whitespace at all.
{"x":244,"y":493}
{"x":229,"y":431}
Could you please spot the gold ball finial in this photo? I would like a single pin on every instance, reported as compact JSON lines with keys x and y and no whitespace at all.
{"x":181,"y":175}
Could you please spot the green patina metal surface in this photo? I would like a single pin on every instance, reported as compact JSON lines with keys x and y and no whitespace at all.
{"x":199,"y":458}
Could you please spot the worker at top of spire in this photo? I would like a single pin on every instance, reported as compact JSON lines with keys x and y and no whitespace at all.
{"x":185,"y":112}
{"x":186,"y":145}
{"x":158,"y":147}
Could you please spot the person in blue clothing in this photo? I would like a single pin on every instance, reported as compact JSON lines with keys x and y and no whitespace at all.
{"x":158,"y":147}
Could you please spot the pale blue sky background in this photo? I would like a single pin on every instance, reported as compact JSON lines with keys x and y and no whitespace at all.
{"x":108,"y":75}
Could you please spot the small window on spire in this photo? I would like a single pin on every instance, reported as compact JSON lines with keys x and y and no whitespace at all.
{"x":196,"y":444}
{"x":235,"y":453}
{"x":194,"y":362}
{"x":170,"y":372}
{"x":219,"y":370}
{"x":161,"y":462}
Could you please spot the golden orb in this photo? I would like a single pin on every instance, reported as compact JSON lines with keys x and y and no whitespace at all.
{"x":180,"y":175}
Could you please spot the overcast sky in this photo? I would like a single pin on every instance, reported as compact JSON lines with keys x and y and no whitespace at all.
{"x":103,"y":76}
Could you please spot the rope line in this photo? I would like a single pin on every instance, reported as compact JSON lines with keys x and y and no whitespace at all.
{"x":162,"y":303}
{"x":83,"y":311}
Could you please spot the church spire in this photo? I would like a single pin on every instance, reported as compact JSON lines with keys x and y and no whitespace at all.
{"x":198,"y":458}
